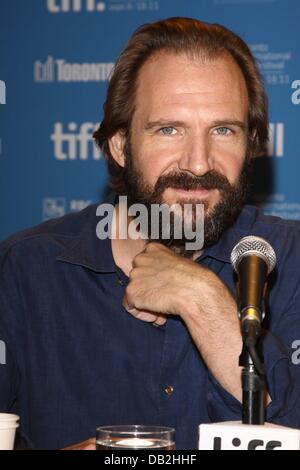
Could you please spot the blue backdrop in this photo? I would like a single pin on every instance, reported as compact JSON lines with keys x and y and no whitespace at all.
{"x":55,"y":57}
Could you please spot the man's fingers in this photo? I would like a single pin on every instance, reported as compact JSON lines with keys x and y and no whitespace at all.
{"x":161,"y":320}
{"x":146,"y":316}
{"x":89,"y":444}
{"x":90,"y":447}
{"x":158,"y":319}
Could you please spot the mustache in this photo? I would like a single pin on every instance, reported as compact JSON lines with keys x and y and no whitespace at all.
{"x":211,"y":180}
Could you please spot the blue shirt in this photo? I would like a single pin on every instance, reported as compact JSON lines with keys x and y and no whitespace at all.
{"x":75,"y":359}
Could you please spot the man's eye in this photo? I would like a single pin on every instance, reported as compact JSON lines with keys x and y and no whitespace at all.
{"x":223,"y":131}
{"x":167,"y":130}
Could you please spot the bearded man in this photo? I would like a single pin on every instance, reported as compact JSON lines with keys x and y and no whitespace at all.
{"x":128,"y":330}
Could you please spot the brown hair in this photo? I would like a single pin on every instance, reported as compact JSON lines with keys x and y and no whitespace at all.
{"x":179,"y":35}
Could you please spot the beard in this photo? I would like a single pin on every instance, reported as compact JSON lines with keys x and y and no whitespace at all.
{"x":217,"y":219}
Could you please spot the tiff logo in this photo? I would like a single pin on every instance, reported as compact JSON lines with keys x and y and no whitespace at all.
{"x":2,"y":353}
{"x":65,"y":6}
{"x":254,"y":444}
{"x":63,"y":71}
{"x":44,"y":72}
{"x":296,"y":94}
{"x":75,"y":143}
{"x":2,"y":92}
{"x":276,"y":140}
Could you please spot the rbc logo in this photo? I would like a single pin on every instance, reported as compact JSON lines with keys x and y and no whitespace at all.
{"x":2,"y":92}
{"x":66,"y":6}
{"x":53,"y":207}
{"x":254,"y":444}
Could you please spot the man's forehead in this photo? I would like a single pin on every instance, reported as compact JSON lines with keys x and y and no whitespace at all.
{"x":164,"y":64}
{"x":170,"y":80}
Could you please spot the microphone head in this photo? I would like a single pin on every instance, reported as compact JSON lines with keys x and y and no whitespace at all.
{"x":252,"y":245}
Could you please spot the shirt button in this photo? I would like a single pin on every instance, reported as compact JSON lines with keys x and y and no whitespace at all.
{"x":169,"y":390}
{"x":121,"y":282}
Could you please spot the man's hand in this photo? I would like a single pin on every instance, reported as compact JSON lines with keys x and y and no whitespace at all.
{"x":90,"y":444}
{"x":163,"y":283}
{"x":158,"y":284}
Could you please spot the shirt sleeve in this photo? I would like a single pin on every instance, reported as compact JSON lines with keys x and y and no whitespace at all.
{"x":283,"y":382}
{"x":9,"y":311}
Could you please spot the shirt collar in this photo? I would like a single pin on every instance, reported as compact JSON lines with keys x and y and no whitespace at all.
{"x":88,"y":251}
{"x":241,"y":228}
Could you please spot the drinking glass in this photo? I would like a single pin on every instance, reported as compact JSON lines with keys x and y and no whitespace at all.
{"x":135,"y":437}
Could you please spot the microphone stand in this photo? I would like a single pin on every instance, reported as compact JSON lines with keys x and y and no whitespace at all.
{"x":253,"y":374}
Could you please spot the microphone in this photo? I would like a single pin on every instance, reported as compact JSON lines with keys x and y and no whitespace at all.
{"x":252,"y":258}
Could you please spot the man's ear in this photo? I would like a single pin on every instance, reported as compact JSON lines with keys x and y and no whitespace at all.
{"x":116,"y":146}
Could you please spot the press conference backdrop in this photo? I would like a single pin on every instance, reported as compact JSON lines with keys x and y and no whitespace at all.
{"x":55,"y":60}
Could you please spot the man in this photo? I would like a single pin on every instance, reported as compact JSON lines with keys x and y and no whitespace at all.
{"x":132,"y":331}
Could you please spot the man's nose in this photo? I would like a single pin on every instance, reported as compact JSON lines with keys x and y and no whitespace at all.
{"x":195,"y":156}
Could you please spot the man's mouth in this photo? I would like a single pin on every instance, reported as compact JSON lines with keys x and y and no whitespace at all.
{"x":193,"y":193}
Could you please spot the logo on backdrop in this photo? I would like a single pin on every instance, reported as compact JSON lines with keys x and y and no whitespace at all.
{"x":96,"y":6}
{"x":273,"y":65}
{"x":2,"y":92}
{"x":66,"y":6}
{"x":279,"y":205}
{"x":58,"y":206}
{"x":296,"y":94}
{"x":276,"y":140}
{"x":75,"y":141}
{"x":54,"y":207}
{"x":2,"y":101}
{"x":235,"y":2}
{"x":59,"y":70}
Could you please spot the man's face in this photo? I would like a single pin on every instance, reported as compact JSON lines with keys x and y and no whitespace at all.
{"x":189,"y":135}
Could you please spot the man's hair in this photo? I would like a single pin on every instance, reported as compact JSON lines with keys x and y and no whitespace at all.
{"x":180,"y":36}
